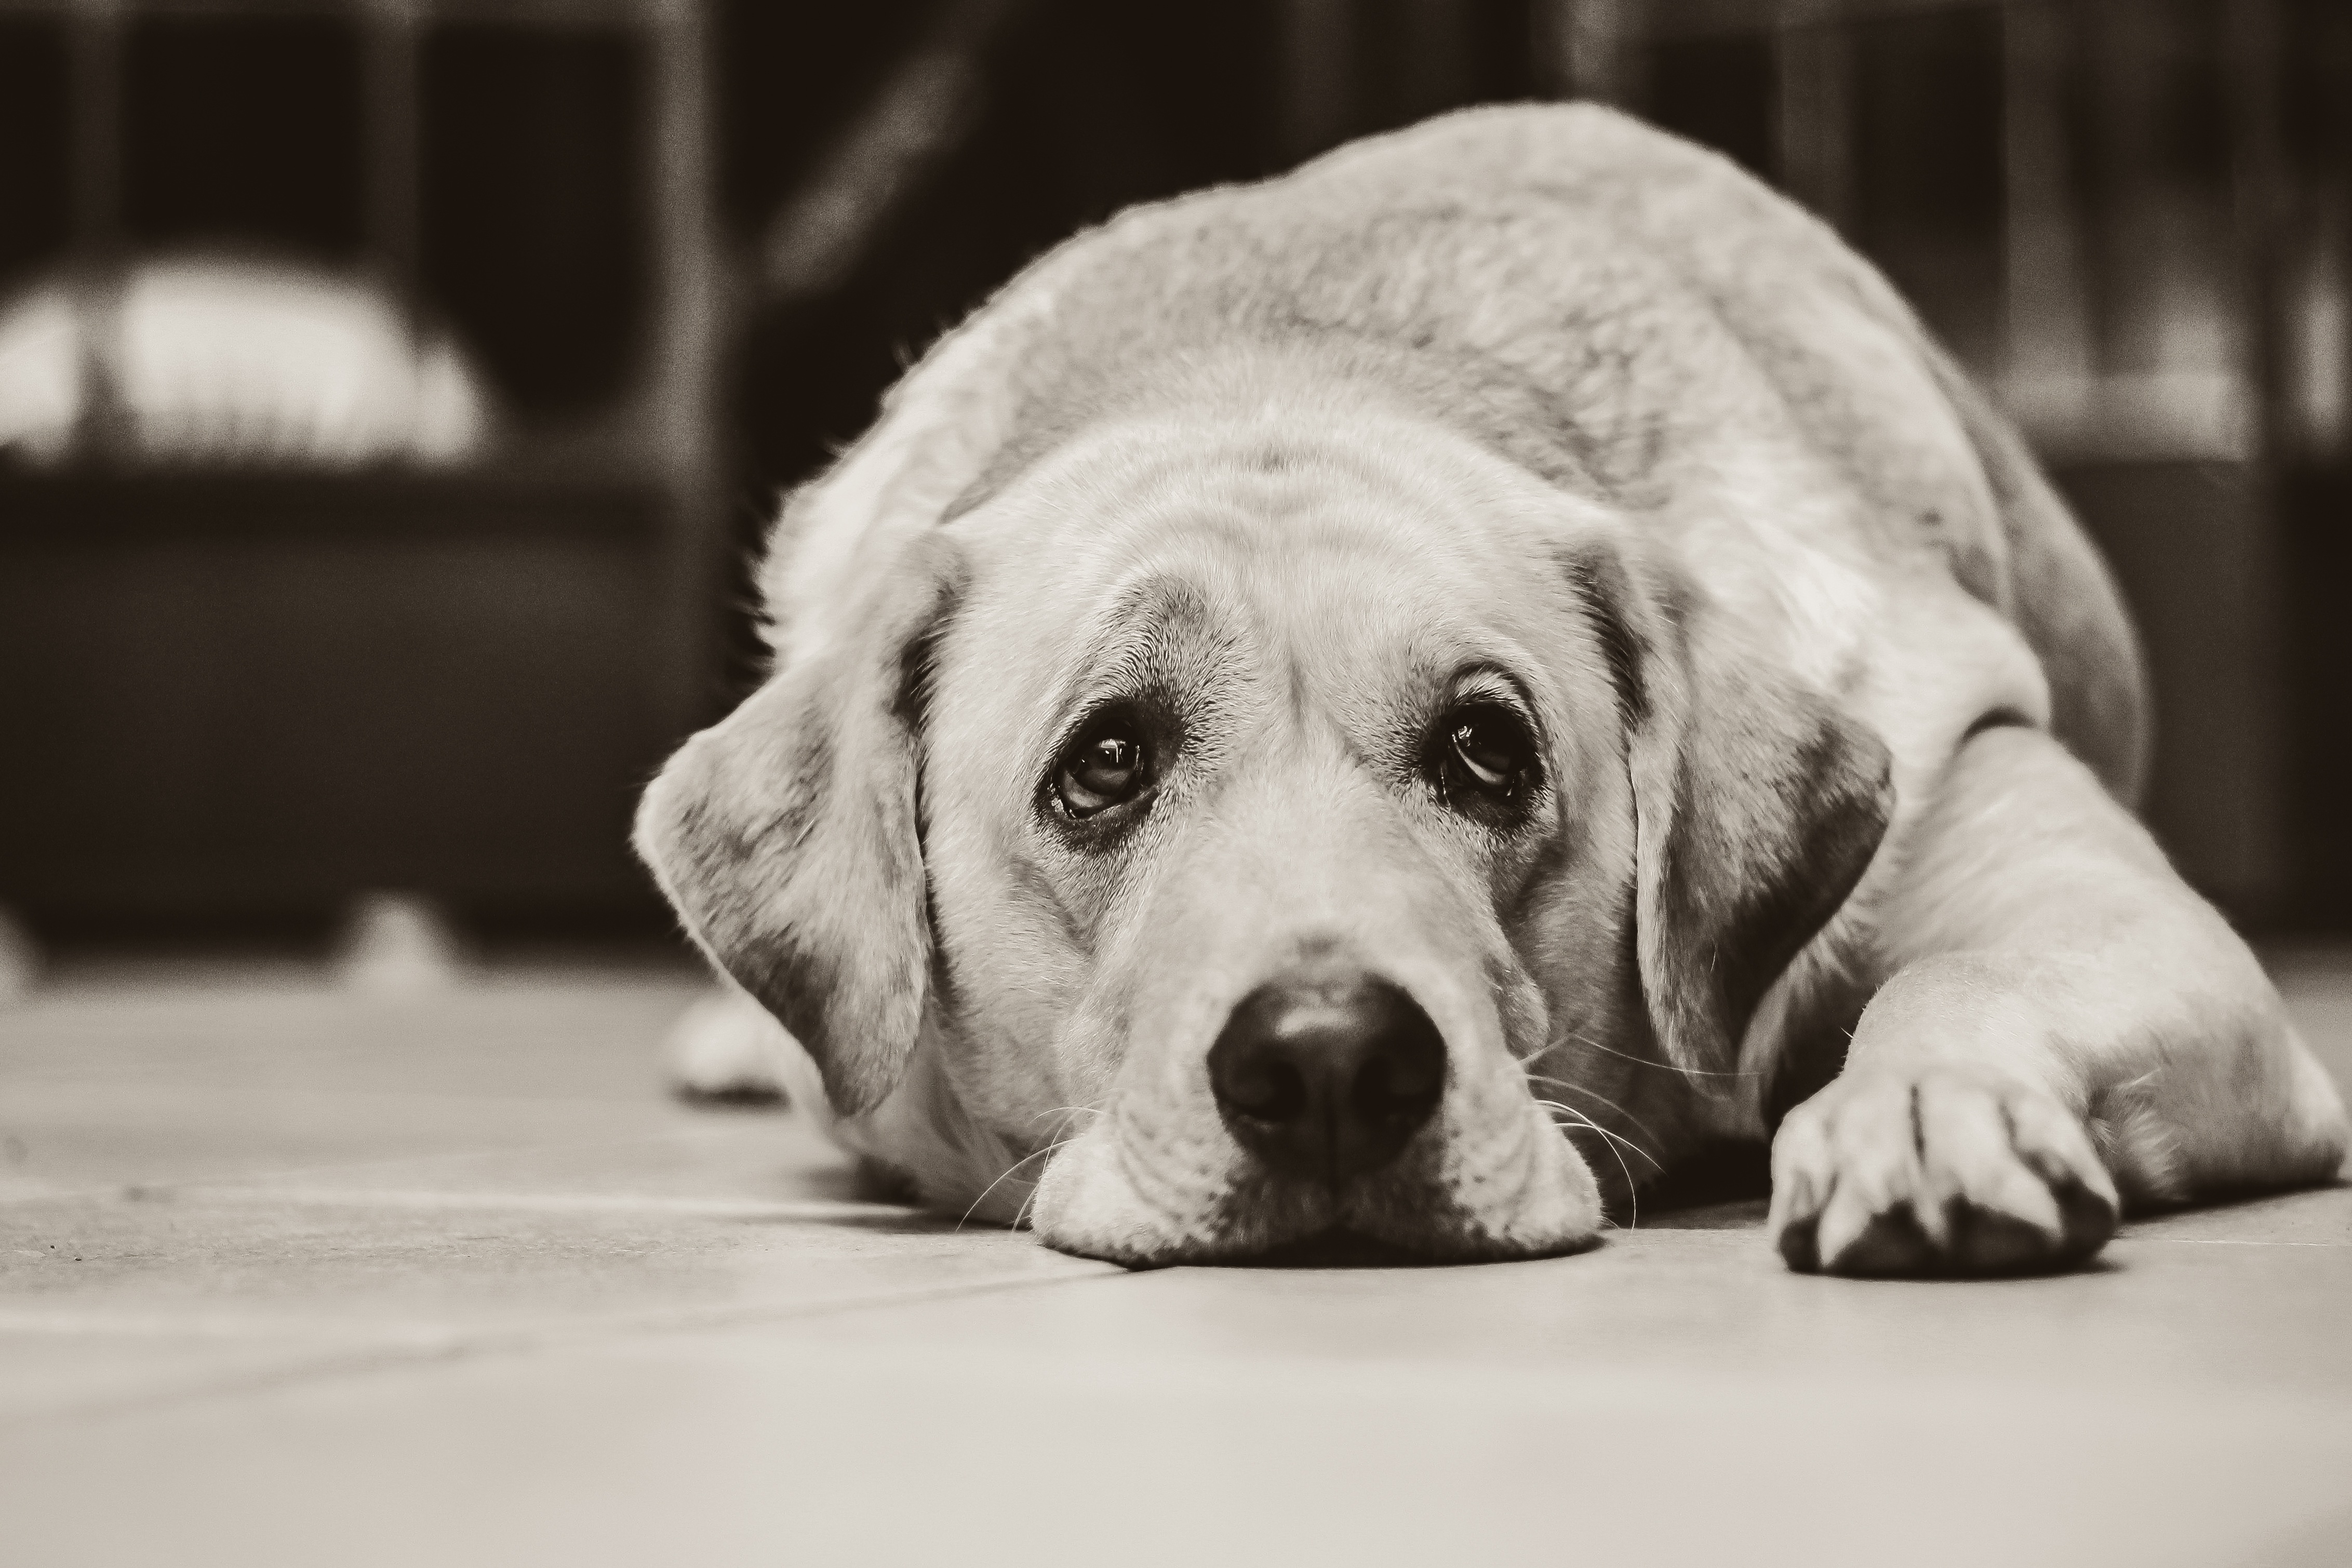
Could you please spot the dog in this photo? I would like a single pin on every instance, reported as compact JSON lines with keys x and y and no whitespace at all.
{"x":1393,"y":706}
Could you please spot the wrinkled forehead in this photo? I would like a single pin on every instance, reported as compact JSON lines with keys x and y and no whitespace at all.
{"x":1324,"y":565}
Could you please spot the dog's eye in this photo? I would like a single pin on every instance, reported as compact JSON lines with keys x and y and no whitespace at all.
{"x":1105,"y":766}
{"x":1485,"y":752}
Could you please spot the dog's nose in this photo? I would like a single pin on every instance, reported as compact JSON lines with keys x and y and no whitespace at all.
{"x":1327,"y":1075}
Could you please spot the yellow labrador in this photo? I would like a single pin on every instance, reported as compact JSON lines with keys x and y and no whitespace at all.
{"x":1398,"y":702}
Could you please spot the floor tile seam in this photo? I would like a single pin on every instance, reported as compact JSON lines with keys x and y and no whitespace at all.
{"x":148,"y":1190}
{"x":116,"y":1327}
{"x":365,"y":1357}
{"x":229,"y":1387}
{"x":223,"y":1386}
{"x":688,"y":1320}
{"x":431,"y":1336}
{"x":428,"y":1200}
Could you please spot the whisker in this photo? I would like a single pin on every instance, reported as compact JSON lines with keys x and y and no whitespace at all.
{"x":1057,"y":1142}
{"x":1022,"y":1213}
{"x":1633,"y":1196}
{"x":1595,"y":1093}
{"x":1584,"y":1120}
{"x":991,"y":1187}
{"x":1591,"y":1044}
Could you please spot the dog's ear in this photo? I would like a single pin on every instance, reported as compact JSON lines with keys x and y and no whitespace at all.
{"x":1758,"y":804}
{"x":787,"y":836}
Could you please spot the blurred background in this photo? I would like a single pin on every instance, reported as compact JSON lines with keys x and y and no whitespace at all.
{"x":390,"y":391}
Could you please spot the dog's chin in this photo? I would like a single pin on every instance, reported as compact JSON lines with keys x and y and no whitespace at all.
{"x":1094,"y":1202}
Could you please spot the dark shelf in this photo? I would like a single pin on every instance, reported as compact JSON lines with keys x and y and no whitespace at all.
{"x":71,"y":507}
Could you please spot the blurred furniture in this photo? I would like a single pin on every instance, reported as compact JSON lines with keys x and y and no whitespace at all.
{"x":2131,"y":218}
{"x":257,"y":693}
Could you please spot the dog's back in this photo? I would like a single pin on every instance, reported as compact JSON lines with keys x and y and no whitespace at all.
{"x":1601,"y":304}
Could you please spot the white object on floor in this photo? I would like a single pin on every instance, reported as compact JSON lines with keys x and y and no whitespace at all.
{"x":220,"y":362}
{"x":397,"y":944}
{"x":727,"y":1047}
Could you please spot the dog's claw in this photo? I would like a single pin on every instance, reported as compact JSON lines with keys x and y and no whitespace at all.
{"x":1945,"y":1171}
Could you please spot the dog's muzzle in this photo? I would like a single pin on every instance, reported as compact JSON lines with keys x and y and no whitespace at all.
{"x":1330,"y":1106}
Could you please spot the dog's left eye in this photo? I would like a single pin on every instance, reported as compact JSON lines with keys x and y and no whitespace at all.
{"x":1105,"y":766}
{"x":1484,"y":752}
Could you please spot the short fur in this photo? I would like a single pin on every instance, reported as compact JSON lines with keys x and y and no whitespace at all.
{"x":1839,"y":718}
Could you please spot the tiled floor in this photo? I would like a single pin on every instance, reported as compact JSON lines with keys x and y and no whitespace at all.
{"x":290,"y":1276}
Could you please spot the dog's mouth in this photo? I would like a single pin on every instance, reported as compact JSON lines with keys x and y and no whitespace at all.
{"x":1523,"y":1193}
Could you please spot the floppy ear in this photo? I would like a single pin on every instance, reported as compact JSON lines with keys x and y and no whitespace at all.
{"x":1758,"y":804}
{"x":787,"y":835}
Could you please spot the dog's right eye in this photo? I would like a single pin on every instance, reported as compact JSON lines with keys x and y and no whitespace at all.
{"x":1105,"y":766}
{"x":1482,"y":758}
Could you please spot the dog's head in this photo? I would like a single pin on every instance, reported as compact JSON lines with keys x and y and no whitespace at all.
{"x":1297,"y":828}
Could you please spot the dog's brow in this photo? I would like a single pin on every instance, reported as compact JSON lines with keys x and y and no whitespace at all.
{"x":1488,"y":680}
{"x":1135,"y":624}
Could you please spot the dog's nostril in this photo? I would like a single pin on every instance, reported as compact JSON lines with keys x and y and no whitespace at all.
{"x":1400,"y":1082}
{"x":1265,"y":1086}
{"x":1327,"y":1075}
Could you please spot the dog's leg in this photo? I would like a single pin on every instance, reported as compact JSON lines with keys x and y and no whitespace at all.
{"x":2067,"y":1029}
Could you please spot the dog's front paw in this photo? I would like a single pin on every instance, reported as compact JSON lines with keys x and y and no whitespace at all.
{"x":1943,"y":1170}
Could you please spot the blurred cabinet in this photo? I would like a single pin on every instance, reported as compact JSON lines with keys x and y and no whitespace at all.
{"x":253,"y":696}
{"x":228,"y":692}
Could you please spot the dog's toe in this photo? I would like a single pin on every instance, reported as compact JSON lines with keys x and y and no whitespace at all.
{"x":1944,"y":1171}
